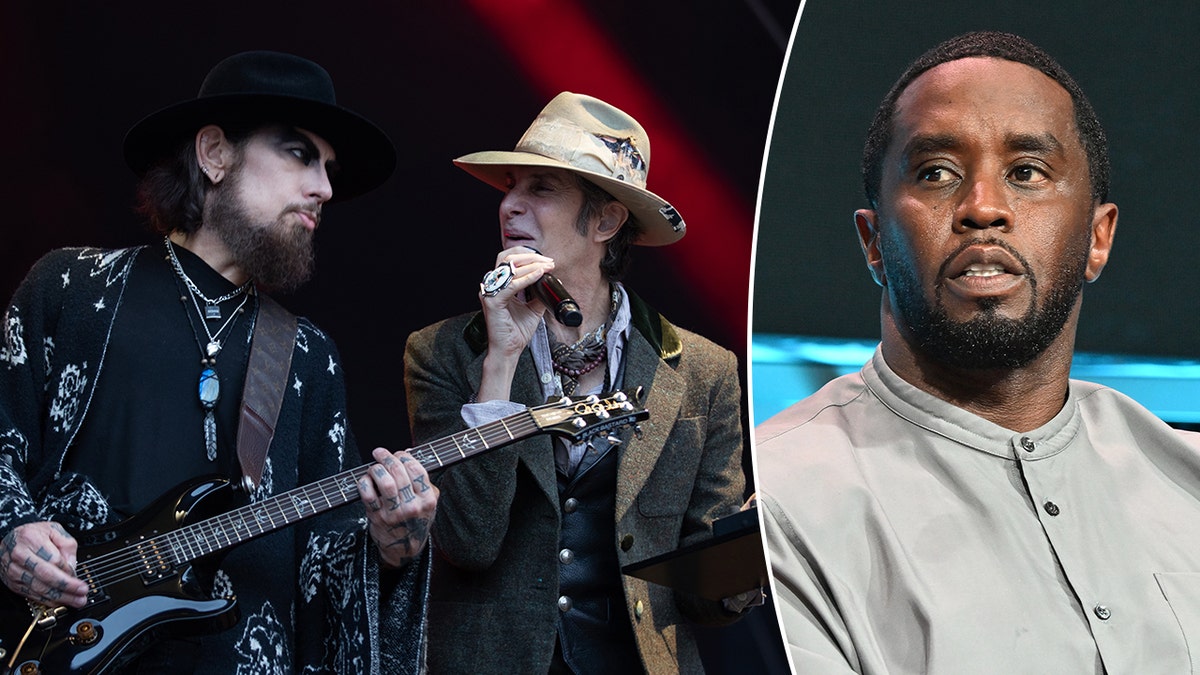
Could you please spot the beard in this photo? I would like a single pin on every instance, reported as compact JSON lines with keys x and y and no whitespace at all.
{"x":278,"y":255}
{"x":988,"y":340}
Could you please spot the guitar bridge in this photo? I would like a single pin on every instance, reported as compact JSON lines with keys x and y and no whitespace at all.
{"x":46,"y":617}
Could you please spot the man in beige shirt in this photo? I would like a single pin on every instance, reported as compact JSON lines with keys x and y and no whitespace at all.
{"x":961,"y":505}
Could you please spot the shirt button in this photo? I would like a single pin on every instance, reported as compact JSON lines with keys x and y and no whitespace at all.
{"x":627,"y":542}
{"x":1051,"y":508}
{"x":1102,"y":612}
{"x":1027,"y":444}
{"x":546,"y":377}
{"x":570,"y":505}
{"x":564,"y":603}
{"x":638,"y":609}
{"x":566,"y":556}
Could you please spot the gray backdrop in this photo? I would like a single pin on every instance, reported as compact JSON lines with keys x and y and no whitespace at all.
{"x":1138,"y":65}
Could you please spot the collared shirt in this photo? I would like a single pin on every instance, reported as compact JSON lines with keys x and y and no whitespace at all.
{"x":567,"y":456}
{"x":907,"y":535}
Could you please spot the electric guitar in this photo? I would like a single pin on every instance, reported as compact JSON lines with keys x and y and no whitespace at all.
{"x":150,"y":576}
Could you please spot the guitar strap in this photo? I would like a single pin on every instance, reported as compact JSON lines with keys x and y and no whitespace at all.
{"x":266,"y":379}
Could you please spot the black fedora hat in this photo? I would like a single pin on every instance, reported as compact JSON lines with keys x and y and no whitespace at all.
{"x":270,"y":87}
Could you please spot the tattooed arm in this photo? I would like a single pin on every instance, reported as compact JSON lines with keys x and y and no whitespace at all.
{"x":400,"y":501}
{"x":37,"y":561}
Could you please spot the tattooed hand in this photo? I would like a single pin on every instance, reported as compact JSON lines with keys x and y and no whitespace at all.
{"x":400,"y":501}
{"x":37,"y":560}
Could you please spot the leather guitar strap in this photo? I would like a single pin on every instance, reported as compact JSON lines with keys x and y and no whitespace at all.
{"x":266,"y":379}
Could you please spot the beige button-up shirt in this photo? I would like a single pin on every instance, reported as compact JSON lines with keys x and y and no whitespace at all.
{"x":907,"y":535}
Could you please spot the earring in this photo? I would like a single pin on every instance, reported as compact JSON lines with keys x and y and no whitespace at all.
{"x":204,"y":169}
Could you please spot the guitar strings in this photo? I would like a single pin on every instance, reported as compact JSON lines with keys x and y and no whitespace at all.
{"x":524,"y":425}
{"x":141,"y":558}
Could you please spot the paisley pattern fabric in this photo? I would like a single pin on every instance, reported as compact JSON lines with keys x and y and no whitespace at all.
{"x":310,"y":595}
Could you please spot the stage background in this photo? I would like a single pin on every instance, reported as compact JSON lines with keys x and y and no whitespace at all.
{"x":443,"y":79}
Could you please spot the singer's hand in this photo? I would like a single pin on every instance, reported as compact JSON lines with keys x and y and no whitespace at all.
{"x":511,"y":321}
{"x":511,"y":318}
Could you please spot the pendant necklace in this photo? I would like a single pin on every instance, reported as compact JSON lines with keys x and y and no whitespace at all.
{"x":210,"y":383}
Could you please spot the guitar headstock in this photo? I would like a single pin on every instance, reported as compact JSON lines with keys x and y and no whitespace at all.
{"x":584,"y":417}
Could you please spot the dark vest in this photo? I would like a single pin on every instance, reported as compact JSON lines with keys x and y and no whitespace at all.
{"x":593,"y":622}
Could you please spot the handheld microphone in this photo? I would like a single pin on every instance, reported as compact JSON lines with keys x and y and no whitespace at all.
{"x":552,"y":294}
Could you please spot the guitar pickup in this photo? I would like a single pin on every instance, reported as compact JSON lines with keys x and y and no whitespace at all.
{"x":155,"y":562}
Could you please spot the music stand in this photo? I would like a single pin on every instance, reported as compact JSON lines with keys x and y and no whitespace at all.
{"x":727,"y":564}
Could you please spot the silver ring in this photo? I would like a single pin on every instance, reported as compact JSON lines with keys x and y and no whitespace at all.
{"x":496,"y":280}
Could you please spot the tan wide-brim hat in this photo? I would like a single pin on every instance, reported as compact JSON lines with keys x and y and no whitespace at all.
{"x":599,"y":142}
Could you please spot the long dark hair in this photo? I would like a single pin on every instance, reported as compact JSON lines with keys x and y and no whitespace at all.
{"x":170,"y":195}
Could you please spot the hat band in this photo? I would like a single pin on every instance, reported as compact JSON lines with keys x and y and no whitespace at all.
{"x":565,"y":141}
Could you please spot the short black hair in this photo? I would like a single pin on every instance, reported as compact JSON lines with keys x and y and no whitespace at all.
{"x":998,"y":45}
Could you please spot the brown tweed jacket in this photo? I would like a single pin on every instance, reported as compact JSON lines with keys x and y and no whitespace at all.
{"x":495,"y":582}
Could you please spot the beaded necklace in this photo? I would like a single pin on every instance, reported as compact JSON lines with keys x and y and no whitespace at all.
{"x":586,"y":354}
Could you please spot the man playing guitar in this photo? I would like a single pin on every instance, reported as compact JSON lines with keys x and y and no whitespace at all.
{"x":120,"y":374}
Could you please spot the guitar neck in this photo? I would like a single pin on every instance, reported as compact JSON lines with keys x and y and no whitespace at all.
{"x":237,"y":526}
{"x":156,"y":556}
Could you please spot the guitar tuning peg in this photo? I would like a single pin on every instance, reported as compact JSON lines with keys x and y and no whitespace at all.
{"x":566,"y":400}
{"x":593,"y":399}
{"x":613,"y":440}
{"x":620,"y":396}
{"x":637,"y":431}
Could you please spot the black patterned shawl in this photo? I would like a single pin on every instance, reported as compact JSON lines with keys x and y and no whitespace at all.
{"x":309,"y":595}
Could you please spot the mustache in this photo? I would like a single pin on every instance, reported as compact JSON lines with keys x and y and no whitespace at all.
{"x":313,"y":210}
{"x":989,"y":241}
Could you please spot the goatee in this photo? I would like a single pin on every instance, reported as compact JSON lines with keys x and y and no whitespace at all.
{"x":989,"y":340}
{"x":278,"y":255}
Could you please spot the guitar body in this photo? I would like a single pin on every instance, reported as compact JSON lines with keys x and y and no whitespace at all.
{"x":155,"y":599}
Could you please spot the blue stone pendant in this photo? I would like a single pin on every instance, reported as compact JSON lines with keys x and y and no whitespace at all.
{"x":210,"y":388}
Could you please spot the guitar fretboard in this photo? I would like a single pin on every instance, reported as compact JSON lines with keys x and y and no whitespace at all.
{"x":159,"y":555}
{"x":162,"y":553}
{"x":239,"y":525}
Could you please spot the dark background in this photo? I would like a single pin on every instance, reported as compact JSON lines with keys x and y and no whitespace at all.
{"x":1136,"y":61}
{"x":443,"y":79}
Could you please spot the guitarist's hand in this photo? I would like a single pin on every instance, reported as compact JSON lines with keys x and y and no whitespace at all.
{"x":401,"y":502}
{"x":38,"y":561}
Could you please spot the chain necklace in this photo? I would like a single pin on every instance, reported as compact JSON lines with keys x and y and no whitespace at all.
{"x":212,"y":309}
{"x":209,"y":389}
